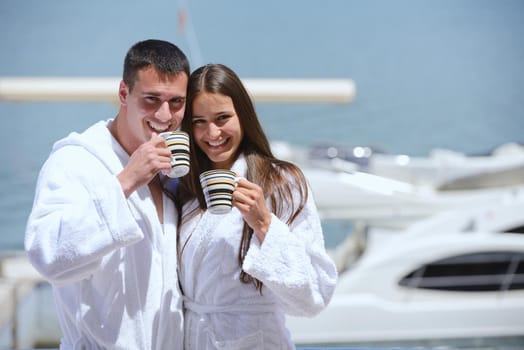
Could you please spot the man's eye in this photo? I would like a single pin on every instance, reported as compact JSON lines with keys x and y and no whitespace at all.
{"x":176,"y":102}
{"x":151,"y":99}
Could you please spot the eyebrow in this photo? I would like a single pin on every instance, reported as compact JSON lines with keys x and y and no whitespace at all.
{"x":151,"y":93}
{"x":156,"y":94}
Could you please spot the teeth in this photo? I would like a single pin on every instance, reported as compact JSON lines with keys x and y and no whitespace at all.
{"x":218,"y":143}
{"x":157,"y":127}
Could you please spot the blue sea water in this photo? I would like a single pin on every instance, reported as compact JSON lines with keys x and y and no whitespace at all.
{"x":428,"y":73}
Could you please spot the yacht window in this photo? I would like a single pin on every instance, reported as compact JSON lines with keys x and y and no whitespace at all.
{"x":519,"y":229}
{"x":488,"y":271}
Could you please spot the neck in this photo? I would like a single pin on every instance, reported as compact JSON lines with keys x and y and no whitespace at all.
{"x":116,"y":130}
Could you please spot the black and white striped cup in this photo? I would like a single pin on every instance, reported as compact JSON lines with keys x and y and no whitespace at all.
{"x":178,"y":143}
{"x":218,"y":186}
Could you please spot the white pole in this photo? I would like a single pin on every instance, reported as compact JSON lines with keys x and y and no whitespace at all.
{"x":106,"y":89}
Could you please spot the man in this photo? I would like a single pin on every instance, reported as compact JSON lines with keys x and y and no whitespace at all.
{"x":101,"y":230}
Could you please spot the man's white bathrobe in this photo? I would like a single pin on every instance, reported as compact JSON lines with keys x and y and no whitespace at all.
{"x":223,"y":313}
{"x":111,"y":262}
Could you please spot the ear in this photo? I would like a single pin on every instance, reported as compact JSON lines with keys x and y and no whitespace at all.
{"x":123,"y":92}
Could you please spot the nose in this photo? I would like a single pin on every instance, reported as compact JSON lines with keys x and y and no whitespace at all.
{"x":163,"y":113}
{"x":213,"y":131}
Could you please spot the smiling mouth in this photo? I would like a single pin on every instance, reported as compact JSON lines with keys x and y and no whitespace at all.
{"x":214,"y":144}
{"x":158,"y":127}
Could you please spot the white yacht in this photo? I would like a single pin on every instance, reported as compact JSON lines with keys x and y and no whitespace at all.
{"x":456,"y":276}
{"x":441,"y":168}
{"x":394,"y":191}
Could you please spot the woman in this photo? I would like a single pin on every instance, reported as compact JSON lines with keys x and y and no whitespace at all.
{"x":242,"y":271}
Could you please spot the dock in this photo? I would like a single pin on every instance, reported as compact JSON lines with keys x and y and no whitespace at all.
{"x":105,"y":89}
{"x":27,"y":319}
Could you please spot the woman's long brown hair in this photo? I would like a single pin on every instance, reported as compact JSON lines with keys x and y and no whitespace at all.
{"x":272,"y":174}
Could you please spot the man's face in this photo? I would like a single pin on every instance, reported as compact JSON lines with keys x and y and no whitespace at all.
{"x":154,"y":105}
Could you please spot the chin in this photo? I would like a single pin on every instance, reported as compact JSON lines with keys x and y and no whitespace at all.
{"x":221,"y":160}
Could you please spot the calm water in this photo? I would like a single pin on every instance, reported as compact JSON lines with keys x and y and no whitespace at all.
{"x":428,"y":74}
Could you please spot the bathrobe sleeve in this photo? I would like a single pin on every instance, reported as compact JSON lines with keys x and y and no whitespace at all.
{"x":293,"y":264}
{"x":79,"y":215}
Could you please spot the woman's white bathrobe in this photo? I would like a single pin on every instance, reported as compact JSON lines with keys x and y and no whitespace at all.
{"x":223,"y":313}
{"x":111,"y":262}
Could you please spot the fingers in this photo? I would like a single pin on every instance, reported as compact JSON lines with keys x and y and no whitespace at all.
{"x":157,"y":140}
{"x":243,"y":183}
{"x":242,"y":200}
{"x":249,"y":199}
{"x":150,"y":157}
{"x":248,"y":196}
{"x":159,"y":148}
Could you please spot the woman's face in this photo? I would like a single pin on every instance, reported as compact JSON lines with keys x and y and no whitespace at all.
{"x":216,"y":128}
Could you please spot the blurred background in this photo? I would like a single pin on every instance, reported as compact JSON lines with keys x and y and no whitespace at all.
{"x":429,"y":74}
